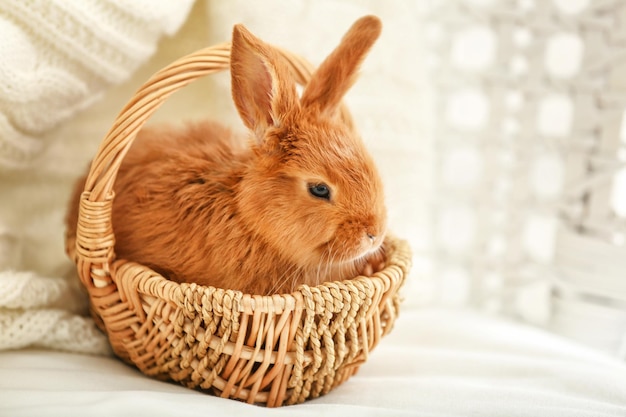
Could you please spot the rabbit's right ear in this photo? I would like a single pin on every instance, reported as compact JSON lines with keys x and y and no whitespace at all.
{"x":262,"y":86}
{"x":337,"y":73}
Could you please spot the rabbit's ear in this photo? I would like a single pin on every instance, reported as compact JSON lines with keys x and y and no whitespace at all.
{"x":338,"y":72}
{"x":262,"y":87}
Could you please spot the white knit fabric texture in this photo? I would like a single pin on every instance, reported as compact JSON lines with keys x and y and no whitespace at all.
{"x":57,"y":57}
{"x":44,"y":312}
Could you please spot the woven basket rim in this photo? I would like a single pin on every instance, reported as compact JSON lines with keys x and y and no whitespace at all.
{"x":153,"y":284}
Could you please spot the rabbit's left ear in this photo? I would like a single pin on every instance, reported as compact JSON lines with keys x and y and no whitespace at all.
{"x":262,"y":86}
{"x":337,"y":73}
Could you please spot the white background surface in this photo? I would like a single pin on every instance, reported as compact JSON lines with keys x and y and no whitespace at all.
{"x":435,"y":363}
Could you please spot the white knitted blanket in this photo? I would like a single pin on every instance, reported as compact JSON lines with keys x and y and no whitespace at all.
{"x":57,"y":57}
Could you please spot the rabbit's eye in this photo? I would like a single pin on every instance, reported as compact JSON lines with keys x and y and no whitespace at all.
{"x":320,"y":191}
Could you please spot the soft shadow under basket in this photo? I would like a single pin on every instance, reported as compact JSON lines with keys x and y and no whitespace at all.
{"x":269,"y":350}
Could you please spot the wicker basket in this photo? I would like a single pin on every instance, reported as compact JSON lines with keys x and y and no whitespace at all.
{"x":270,"y":350}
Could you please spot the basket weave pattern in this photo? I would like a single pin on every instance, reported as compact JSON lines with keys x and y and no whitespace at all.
{"x":270,"y":350}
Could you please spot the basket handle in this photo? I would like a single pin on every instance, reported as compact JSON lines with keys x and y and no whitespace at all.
{"x":94,"y":235}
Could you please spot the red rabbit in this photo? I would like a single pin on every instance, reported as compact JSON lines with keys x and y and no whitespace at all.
{"x":301,"y":202}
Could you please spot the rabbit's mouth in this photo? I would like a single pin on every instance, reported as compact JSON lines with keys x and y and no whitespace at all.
{"x":332,"y":264}
{"x":375,"y":251}
{"x":368,"y":245}
{"x":342,"y":254}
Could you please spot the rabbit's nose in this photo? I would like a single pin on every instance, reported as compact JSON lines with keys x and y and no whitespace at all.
{"x":372,"y":239}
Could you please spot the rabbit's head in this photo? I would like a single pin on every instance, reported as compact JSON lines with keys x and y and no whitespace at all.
{"x":312,"y":190}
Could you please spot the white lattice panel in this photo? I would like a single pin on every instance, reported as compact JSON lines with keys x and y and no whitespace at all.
{"x":529,"y":102}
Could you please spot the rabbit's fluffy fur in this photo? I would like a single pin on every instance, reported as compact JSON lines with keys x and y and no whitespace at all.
{"x":300,"y":202}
